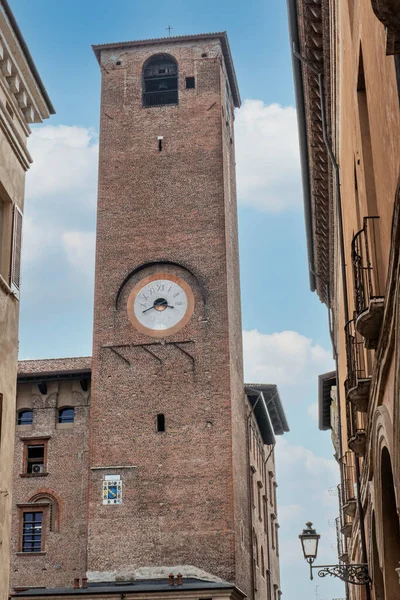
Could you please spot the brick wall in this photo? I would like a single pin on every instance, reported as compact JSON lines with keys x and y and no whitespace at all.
{"x":181,"y":499}
{"x":64,"y":555}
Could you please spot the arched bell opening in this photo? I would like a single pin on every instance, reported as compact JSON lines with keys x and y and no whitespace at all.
{"x":160,"y":81}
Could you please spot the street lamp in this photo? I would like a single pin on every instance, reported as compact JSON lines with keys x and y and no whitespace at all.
{"x":356,"y":574}
{"x":309,"y":542}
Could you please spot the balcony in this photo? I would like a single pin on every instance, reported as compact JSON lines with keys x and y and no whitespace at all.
{"x":357,"y":384}
{"x":349,"y":503}
{"x":346,"y":521}
{"x":341,"y":543}
{"x":368,"y":289}
{"x":356,"y":429}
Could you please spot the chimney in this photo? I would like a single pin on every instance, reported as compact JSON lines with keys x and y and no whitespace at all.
{"x":179,"y":579}
{"x":171,"y":579}
{"x":76,"y":583}
{"x":84,"y":582}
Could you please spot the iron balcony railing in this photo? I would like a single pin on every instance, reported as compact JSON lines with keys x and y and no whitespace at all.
{"x":160,"y":98}
{"x":348,"y":474}
{"x":346,"y":520}
{"x":364,"y":256}
{"x":356,"y":363}
{"x":341,"y":542}
{"x":355,"y":421}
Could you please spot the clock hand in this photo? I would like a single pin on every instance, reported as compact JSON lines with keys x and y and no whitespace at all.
{"x":166,"y":306}
{"x":146,"y":309}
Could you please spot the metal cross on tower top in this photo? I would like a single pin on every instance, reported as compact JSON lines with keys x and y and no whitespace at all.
{"x":169,"y":30}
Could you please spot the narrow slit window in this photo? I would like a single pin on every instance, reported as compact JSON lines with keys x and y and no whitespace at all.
{"x":160,"y":422}
{"x":190,"y":83}
{"x":160,"y":144}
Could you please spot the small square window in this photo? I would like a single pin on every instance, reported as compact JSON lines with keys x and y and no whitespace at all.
{"x":35,"y":457}
{"x":190,"y":83}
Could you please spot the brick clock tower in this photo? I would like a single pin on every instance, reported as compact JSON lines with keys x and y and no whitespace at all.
{"x":168,"y":449}
{"x":158,"y":461}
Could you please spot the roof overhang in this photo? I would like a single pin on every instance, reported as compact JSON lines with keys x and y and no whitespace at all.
{"x":147,"y":588}
{"x":21,"y":51}
{"x":220,"y":35}
{"x":325,"y":384}
{"x":309,"y":36}
{"x":268,"y":410}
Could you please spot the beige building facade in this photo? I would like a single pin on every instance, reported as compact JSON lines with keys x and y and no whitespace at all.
{"x":23,"y":100}
{"x":156,"y":468}
{"x":346,"y":67}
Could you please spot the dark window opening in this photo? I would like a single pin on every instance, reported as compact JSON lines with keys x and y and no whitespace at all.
{"x":160,"y":144}
{"x":35,"y":459}
{"x":190,"y":84}
{"x":24,"y":417}
{"x":66,"y":415}
{"x":32,"y":532}
{"x":160,"y":422}
{"x":160,"y":81}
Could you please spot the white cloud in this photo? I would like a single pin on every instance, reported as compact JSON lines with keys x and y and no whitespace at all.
{"x":292,"y":457}
{"x":65,"y":162}
{"x":61,"y":191}
{"x":290,"y":512}
{"x":267,"y":157}
{"x":313,"y":411}
{"x":79,"y":247}
{"x":285,"y":357}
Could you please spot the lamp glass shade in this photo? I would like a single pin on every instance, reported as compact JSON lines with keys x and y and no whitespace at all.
{"x":309,"y":541}
{"x":310,"y":546}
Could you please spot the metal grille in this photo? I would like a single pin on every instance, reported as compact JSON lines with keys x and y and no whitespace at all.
{"x":364,"y":258}
{"x":356,"y":364}
{"x":160,"y":98}
{"x":32,"y":532}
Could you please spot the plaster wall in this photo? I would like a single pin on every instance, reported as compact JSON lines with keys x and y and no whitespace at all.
{"x":367,"y":123}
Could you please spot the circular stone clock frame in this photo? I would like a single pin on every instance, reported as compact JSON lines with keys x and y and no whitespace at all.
{"x":160,"y":333}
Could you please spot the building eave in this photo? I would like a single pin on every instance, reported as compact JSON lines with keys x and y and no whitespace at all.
{"x":309,"y":36}
{"x":220,"y":35}
{"x":325,"y":384}
{"x":268,"y":410}
{"x":27,"y":55}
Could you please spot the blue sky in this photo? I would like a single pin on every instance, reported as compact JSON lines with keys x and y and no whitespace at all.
{"x":285,"y":327}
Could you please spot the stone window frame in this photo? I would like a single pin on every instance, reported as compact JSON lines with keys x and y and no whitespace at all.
{"x":30,"y":508}
{"x":42,"y":441}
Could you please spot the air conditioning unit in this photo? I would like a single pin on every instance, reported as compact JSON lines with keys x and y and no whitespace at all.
{"x":37,"y":468}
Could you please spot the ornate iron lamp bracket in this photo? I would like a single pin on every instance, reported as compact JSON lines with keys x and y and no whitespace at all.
{"x":355,"y":574}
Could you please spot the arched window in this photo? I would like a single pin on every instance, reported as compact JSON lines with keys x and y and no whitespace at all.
{"x":53,"y":507}
{"x":160,"y":81}
{"x":25,"y":417}
{"x":66,"y":414}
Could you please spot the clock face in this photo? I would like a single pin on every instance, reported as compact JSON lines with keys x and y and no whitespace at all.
{"x":160,"y":304}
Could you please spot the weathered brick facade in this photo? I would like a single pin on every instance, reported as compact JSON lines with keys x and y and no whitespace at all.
{"x":167,"y":208}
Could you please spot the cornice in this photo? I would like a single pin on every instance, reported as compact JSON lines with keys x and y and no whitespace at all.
{"x":13,"y":138}
{"x":313,"y":26}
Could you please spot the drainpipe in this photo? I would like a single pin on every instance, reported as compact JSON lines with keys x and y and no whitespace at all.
{"x":335,"y":167}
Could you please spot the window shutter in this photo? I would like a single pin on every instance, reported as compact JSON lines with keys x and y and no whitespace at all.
{"x":15,"y":275}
